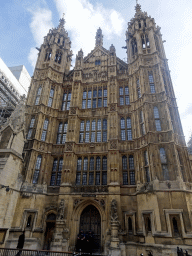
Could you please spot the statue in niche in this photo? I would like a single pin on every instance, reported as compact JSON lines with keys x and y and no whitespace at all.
{"x":60,"y":215}
{"x":114,"y":215}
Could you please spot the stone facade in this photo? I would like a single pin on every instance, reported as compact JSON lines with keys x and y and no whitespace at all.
{"x":104,"y":139}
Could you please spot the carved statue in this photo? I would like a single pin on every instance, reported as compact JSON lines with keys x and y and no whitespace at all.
{"x":60,"y":215}
{"x":114,"y":216}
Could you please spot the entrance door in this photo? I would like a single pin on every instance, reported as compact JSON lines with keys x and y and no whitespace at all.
{"x":50,"y":227}
{"x":91,"y":220}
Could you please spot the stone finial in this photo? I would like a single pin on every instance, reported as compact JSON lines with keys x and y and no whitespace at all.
{"x":112,"y":49}
{"x":99,"y":38}
{"x":62,"y":22}
{"x":80,"y":53}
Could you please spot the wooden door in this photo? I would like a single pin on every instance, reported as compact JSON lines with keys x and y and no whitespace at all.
{"x":91,"y":220}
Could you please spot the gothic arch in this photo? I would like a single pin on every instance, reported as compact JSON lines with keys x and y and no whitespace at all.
{"x":75,"y":220}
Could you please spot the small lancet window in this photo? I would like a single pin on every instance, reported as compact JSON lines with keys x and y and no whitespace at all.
{"x":29,"y":219}
{"x":130,"y":226}
{"x":134,"y":46}
{"x":148,"y":224}
{"x":175,"y":226}
{"x":58,"y":57}
{"x":48,"y":55}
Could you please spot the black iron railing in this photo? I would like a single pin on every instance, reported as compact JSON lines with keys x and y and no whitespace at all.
{"x":24,"y":252}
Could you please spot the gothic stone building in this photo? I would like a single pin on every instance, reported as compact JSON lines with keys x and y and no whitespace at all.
{"x":104,"y":149}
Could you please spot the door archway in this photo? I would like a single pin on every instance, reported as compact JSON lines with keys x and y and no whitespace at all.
{"x":50,"y":227}
{"x":90,"y":220}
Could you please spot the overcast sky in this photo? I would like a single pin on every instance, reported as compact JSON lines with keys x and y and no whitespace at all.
{"x":24,"y":23}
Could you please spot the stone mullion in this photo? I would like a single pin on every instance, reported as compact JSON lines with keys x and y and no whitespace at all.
{"x":39,"y":126}
{"x":150,"y":151}
{"x":139,"y":44}
{"x":58,"y":96}
{"x":186,"y":165}
{"x":151,"y":40}
{"x":31,"y":166}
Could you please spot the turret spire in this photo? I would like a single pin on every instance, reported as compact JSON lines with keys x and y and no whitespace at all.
{"x":62,"y":22}
{"x":99,"y":38}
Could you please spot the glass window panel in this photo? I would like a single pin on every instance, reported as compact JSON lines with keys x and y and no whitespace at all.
{"x":43,"y":136}
{"x":98,"y":163}
{"x":122,"y":123}
{"x":95,"y":94}
{"x":99,"y":103}
{"x":128,"y":123}
{"x":152,"y":87}
{"x":125,"y":178}
{"x":54,"y":165}
{"x":89,"y":94}
{"x":37,"y":100}
{"x":100,"y":93}
{"x":165,"y":172}
{"x":65,"y":127}
{"x":64,"y":138}
{"x":68,"y":105}
{"x":92,"y":136}
{"x":64,"y":96}
{"x":32,"y":122}
{"x":46,"y":122}
{"x":63,"y":106}
{"x":98,"y":136}
{"x":69,"y":96}
{"x":79,"y":161}
{"x":78,"y":178}
{"x":91,"y":178}
{"x":84,"y":95}
{"x":104,"y":136}
{"x":94,"y":103}
{"x":147,"y":174}
{"x":38,"y":163}
{"x":60,"y":164}
{"x":88,"y":125}
{"x":35,"y":176}
{"x":104,"y":163}
{"x":122,"y":134}
{"x":163,"y":156}
{"x":141,"y":116}
{"x":58,"y":138}
{"x":104,"y":124}
{"x":84,"y":104}
{"x":124,"y":162}
{"x":151,"y":78}
{"x":93,"y":126}
{"x":158,"y":125}
{"x":146,"y":158}
{"x":87,"y":137}
{"x":126,"y":90}
{"x":91,"y":166}
{"x":39,"y":91}
{"x":60,"y":128}
{"x":104,"y":178}
{"x":104,"y":103}
{"x":82,"y":126}
{"x":129,"y":135}
{"x":127,"y":102}
{"x":81,"y":137}
{"x":53,"y":178}
{"x":29,"y":134}
{"x":156,"y":112}
{"x":139,"y":92}
{"x":137,"y":82}
{"x":105,"y":92}
{"x":89,"y":104}
{"x":132,"y":178}
{"x":58,"y":182}
{"x":97,"y":179}
{"x":131,"y":162}
{"x":121,"y":101}
{"x":142,"y":129}
{"x":99,"y":124}
{"x":121,"y":91}
{"x":50,"y":102}
{"x":51,"y":93}
{"x":85,"y":165}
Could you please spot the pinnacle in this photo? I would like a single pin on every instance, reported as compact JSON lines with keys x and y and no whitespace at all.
{"x":62,"y":22}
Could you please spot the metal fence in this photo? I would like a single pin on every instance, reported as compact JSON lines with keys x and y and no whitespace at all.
{"x":24,"y":252}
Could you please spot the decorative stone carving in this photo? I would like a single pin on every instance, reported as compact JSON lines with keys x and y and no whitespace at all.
{"x":112,"y":107}
{"x":114,"y":215}
{"x":60,"y":215}
{"x":76,"y":202}
{"x":73,"y":111}
{"x":69,"y":146}
{"x":113,"y":145}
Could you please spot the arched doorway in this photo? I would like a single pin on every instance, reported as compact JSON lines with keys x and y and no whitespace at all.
{"x":91,"y":220}
{"x":50,"y":227}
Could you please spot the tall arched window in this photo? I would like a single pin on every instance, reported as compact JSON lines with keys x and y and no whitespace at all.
{"x":128,"y":171}
{"x":146,"y":162}
{"x":38,"y":95}
{"x":93,"y":171}
{"x":124,"y":96}
{"x":130,"y":226}
{"x":151,"y":82}
{"x":142,"y":125}
{"x":125,"y":170}
{"x":131,"y":170}
{"x":175,"y":226}
{"x":138,"y":89}
{"x":66,"y":101}
{"x":104,"y":130}
{"x":58,"y":57}
{"x":62,"y":133}
{"x":164,"y":163}
{"x":145,"y":41}
{"x":134,"y":46}
{"x":31,"y":126}
{"x":50,"y":101}
{"x":37,"y":169}
{"x":56,"y":172}
{"x":45,"y":127}
{"x":157,"y":119}
{"x":48,"y":55}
